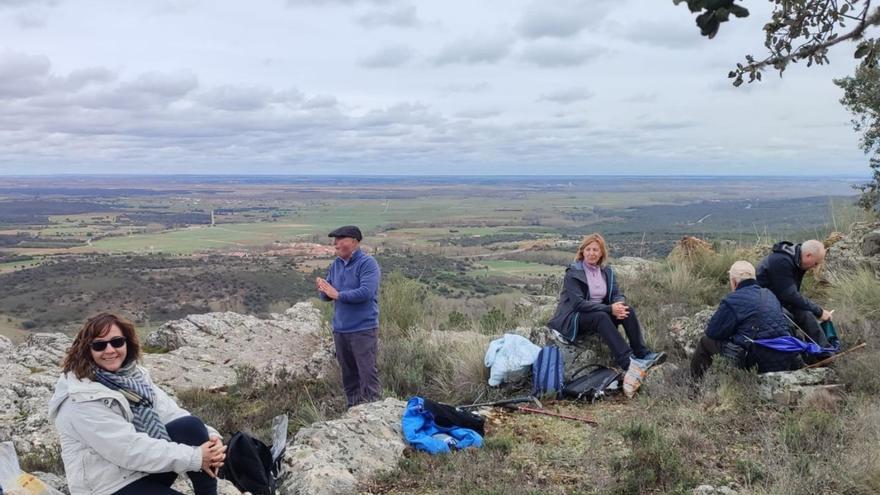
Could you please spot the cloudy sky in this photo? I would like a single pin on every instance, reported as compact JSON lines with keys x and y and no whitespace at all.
{"x":399,"y":87}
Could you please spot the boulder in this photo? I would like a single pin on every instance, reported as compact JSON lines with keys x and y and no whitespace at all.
{"x":858,"y":249}
{"x":332,"y":457}
{"x":794,"y":387}
{"x":689,"y":247}
{"x":687,"y":330}
{"x":204,"y":351}
{"x":713,"y":490}
{"x":632,"y":267}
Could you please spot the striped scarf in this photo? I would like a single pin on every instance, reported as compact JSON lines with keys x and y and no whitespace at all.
{"x":131,"y":382}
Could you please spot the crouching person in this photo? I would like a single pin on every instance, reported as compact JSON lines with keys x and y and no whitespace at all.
{"x":748,"y":313}
{"x":120,"y":433}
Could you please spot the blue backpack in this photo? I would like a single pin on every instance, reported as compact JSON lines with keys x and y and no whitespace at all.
{"x":547,"y":373}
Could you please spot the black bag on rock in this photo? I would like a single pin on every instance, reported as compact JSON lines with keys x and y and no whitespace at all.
{"x":593,"y":382}
{"x":249,"y":465}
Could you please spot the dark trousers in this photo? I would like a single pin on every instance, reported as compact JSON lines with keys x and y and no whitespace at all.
{"x":606,"y":326}
{"x":702,"y":358}
{"x":356,"y":353}
{"x":810,"y":325}
{"x":188,"y":430}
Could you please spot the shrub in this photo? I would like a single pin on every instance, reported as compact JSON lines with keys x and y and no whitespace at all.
{"x":402,"y":304}
{"x":653,"y":464}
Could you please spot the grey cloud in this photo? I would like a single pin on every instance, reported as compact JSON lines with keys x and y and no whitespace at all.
{"x":641,"y":98}
{"x":479,"y":113}
{"x":404,"y":17}
{"x":665,"y":34}
{"x":81,"y":78}
{"x":28,"y":3}
{"x":477,"y":87}
{"x":567,"y":96}
{"x":389,"y":56}
{"x":552,"y":55}
{"x":163,"y":84}
{"x":236,"y":98}
{"x":665,"y":125}
{"x":325,"y":3}
{"x":320,"y":101}
{"x":32,"y":19}
{"x":475,"y":50}
{"x":400,"y":114}
{"x":562,"y":18}
{"x":23,"y":75}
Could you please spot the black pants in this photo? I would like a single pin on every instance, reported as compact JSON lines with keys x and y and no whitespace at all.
{"x":188,"y":430}
{"x":356,"y":353}
{"x":810,"y":325}
{"x":606,"y":326}
{"x":702,"y":357}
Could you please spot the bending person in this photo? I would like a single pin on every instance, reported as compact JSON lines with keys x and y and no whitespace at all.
{"x":591,"y":302}
{"x":120,"y":433}
{"x":750,"y":312}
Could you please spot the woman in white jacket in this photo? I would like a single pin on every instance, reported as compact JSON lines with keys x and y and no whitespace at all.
{"x":120,"y":433}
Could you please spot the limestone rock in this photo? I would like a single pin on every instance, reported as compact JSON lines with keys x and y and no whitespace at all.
{"x":858,"y":249}
{"x":793,"y":387}
{"x":205,"y":350}
{"x":713,"y":490}
{"x":633,"y":267}
{"x":686,"y":331}
{"x":332,"y":457}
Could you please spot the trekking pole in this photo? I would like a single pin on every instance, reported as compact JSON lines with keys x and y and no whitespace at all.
{"x":505,"y":402}
{"x":800,"y":329}
{"x":832,"y":358}
{"x":588,"y":420}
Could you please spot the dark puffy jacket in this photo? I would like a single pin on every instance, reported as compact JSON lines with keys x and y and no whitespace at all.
{"x":752,"y":312}
{"x":780,"y":271}
{"x":575,"y":298}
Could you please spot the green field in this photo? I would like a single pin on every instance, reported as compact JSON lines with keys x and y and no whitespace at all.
{"x":203,"y":237}
{"x":516,"y":269}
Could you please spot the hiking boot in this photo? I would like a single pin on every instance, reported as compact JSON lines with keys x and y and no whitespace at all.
{"x":653,"y":359}
{"x":632,"y":380}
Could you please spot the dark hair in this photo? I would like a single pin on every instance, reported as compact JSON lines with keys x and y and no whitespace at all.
{"x":79,"y":356}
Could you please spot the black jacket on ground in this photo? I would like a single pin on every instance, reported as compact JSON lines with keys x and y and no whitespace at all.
{"x":752,"y":312}
{"x":575,"y":298}
{"x":780,"y":271}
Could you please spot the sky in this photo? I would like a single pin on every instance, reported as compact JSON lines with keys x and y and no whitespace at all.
{"x":397,"y":87}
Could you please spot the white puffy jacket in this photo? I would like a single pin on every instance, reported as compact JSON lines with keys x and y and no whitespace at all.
{"x":100,"y":448}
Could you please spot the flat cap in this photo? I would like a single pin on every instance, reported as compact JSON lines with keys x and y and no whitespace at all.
{"x":347,"y":231}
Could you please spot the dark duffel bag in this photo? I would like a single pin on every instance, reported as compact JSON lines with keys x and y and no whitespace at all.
{"x":592,"y":382}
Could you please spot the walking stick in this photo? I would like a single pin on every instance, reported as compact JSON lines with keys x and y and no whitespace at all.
{"x":588,"y":420}
{"x":504,"y":402}
{"x":832,"y":358}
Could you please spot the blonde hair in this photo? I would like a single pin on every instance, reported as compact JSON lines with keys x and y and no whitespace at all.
{"x":598,"y":239}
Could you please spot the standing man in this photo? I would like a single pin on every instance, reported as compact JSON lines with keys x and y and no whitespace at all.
{"x":782,"y":272}
{"x":353,"y":285}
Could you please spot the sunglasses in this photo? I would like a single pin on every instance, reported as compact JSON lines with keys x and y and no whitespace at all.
{"x":100,"y":345}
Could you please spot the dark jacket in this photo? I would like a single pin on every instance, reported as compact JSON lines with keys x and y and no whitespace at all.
{"x":749,"y":313}
{"x":781,"y":272}
{"x":357,"y":307}
{"x":575,"y":298}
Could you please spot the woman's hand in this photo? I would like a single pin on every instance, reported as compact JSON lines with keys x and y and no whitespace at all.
{"x":213,"y":455}
{"x":620,"y":310}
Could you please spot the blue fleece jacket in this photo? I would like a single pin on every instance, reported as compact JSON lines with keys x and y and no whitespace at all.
{"x":357,"y":280}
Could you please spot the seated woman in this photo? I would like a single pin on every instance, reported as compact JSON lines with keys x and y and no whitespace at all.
{"x":591,"y":303}
{"x":120,"y":433}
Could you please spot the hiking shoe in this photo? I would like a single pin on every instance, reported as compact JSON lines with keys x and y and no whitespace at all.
{"x":653,"y":359}
{"x":632,"y":380}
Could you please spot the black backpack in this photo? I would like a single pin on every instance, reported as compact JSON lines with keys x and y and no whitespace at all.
{"x":249,"y":465}
{"x":600,"y":381}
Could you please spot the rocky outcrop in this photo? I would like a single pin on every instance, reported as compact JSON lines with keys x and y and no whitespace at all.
{"x":689,"y":247}
{"x":203,"y":351}
{"x":858,"y":249}
{"x":332,"y":457}
{"x":687,"y":330}
{"x":793,"y":387}
{"x":632,"y":267}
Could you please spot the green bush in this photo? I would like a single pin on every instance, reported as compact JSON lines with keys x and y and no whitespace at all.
{"x":653,"y":464}
{"x":402,"y":305}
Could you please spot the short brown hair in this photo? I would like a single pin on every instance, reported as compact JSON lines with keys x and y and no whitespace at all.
{"x":597,"y":238}
{"x":79,"y":356}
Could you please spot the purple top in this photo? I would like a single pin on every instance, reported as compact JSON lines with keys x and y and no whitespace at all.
{"x":595,"y":282}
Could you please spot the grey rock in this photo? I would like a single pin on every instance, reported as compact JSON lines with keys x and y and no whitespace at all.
{"x":793,"y":387}
{"x":633,"y":267}
{"x":686,"y":331}
{"x":713,"y":490}
{"x":860,"y":248}
{"x":332,"y":457}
